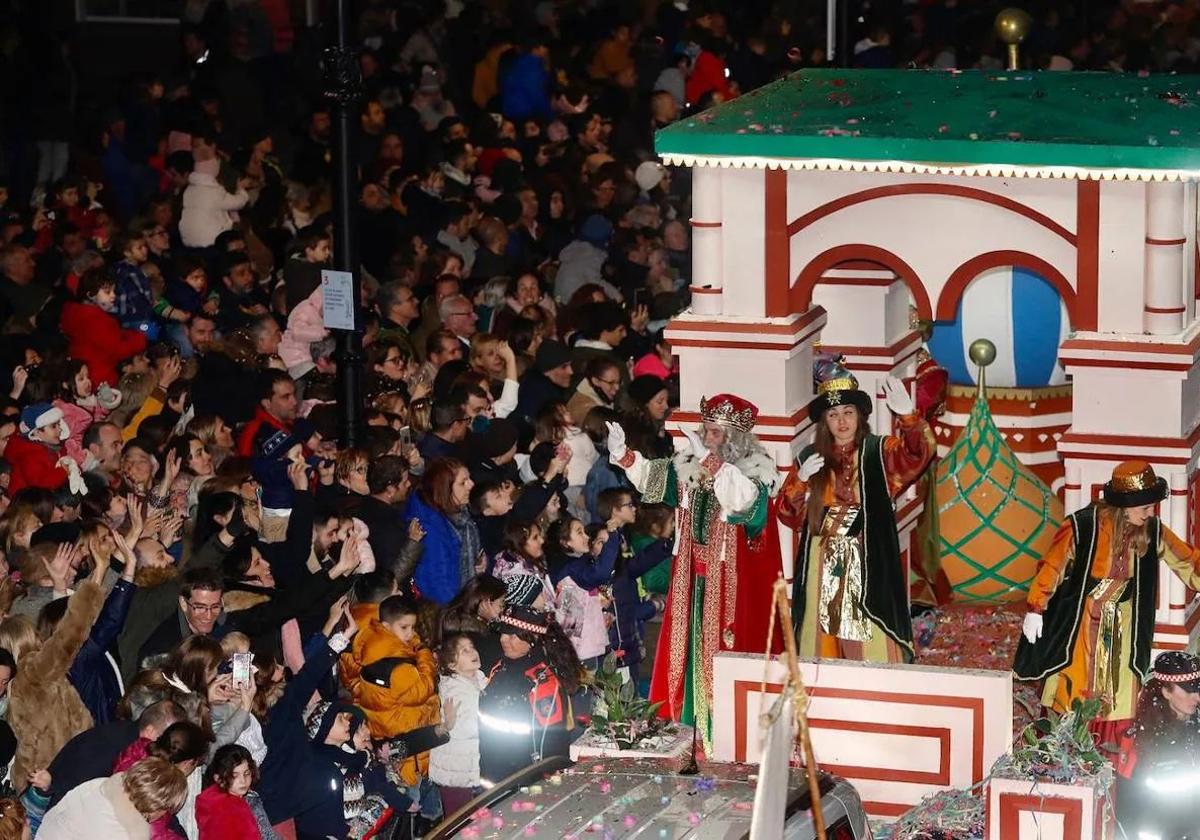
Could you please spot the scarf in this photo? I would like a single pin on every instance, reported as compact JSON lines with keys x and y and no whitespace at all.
{"x":468,"y":544}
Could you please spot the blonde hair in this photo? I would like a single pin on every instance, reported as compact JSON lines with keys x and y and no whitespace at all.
{"x":480,"y":343}
{"x":419,"y":415}
{"x":155,"y":786}
{"x":18,"y":636}
{"x":235,"y":642}
{"x":31,"y":562}
{"x":17,"y":520}
{"x":1139,"y":540}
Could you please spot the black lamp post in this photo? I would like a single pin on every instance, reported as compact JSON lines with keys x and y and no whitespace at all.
{"x":344,"y":88}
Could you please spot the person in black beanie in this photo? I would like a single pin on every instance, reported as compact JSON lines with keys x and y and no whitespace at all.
{"x":549,"y":379}
{"x":489,"y":453}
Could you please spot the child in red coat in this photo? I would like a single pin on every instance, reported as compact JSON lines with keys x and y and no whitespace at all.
{"x":221,"y":809}
{"x":95,"y":333}
{"x":36,"y":454}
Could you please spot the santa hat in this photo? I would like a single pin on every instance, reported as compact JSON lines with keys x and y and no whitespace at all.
{"x":39,"y":416}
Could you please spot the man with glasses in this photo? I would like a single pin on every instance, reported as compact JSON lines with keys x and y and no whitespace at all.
{"x":199,"y":614}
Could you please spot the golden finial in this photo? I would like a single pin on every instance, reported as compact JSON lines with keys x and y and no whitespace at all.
{"x":1012,"y":27}
{"x":982,"y":353}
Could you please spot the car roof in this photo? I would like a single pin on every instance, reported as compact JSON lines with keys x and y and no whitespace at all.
{"x":632,"y":799}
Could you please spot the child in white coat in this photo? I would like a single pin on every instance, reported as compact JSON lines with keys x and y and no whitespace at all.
{"x":454,"y":766}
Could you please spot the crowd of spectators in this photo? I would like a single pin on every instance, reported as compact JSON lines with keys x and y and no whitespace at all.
{"x":420,"y":613}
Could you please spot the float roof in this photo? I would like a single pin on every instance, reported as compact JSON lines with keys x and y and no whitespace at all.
{"x":1033,"y":123}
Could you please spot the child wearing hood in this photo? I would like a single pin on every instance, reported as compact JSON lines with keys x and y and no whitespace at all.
{"x":392,"y":676}
{"x":341,"y":742}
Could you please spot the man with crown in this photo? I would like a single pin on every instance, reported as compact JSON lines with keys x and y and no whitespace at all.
{"x":723,"y":486}
{"x":850,"y":592}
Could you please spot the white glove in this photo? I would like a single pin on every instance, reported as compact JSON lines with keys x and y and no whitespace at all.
{"x":898,"y":400}
{"x":616,"y":441}
{"x":1032,"y":627}
{"x":698,"y":447}
{"x":74,"y":476}
{"x":811,"y":466}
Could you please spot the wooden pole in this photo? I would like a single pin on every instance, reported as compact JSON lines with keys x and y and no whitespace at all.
{"x":783,"y":609}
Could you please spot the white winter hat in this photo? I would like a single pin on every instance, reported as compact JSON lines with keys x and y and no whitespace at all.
{"x":649,"y":175}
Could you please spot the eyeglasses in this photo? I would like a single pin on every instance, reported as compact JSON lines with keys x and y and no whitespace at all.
{"x":210,"y":609}
{"x":627,"y":505}
{"x":612,"y":383}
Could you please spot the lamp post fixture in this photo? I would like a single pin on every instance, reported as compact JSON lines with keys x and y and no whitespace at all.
{"x":344,"y":89}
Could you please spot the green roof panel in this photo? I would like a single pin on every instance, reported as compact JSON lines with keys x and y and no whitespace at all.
{"x":1092,"y":120}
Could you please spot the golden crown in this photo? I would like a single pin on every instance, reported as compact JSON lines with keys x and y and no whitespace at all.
{"x":842,"y":383}
{"x":724,"y":413}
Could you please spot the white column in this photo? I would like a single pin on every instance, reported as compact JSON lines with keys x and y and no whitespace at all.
{"x":882,"y":420}
{"x":707,"y":241}
{"x":1164,"y":307}
{"x":1177,"y":503}
{"x":1073,"y":498}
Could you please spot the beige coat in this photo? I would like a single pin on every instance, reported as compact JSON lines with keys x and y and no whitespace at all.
{"x":44,"y":709}
{"x":98,"y":810}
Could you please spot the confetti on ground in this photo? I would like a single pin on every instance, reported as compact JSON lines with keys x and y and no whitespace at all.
{"x":982,"y":637}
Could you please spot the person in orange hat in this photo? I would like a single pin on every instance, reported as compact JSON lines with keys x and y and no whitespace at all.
{"x":850,"y":594}
{"x":723,"y":486}
{"x":1090,"y":624}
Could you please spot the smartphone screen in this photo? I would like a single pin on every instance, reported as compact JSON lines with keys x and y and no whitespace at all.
{"x":241,"y":669}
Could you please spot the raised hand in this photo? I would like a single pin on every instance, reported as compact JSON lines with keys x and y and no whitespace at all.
{"x":297,"y":473}
{"x":616,"y":440}
{"x":171,"y":370}
{"x":896,"y":395}
{"x":127,"y":555}
{"x":416,"y":532}
{"x":136,"y":520}
{"x":61,"y":569}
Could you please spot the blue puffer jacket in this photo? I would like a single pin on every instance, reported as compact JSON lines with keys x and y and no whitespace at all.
{"x":437,"y":577}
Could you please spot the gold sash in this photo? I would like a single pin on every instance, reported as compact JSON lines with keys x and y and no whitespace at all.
{"x":841,"y":600}
{"x":1106,"y":601}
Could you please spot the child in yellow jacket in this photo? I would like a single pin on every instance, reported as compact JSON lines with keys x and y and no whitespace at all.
{"x":392,"y":677}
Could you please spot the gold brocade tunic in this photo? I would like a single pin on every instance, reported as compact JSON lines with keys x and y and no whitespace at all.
{"x":1101,"y":652}
{"x":906,"y":454}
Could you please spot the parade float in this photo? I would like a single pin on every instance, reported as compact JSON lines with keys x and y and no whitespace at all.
{"x":1053,"y":214}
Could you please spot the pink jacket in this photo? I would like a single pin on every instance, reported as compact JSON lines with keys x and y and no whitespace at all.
{"x":581,"y":614}
{"x":305,"y":325}
{"x":79,"y":419}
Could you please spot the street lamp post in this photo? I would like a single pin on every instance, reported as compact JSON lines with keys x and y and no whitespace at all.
{"x":344,"y":88}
